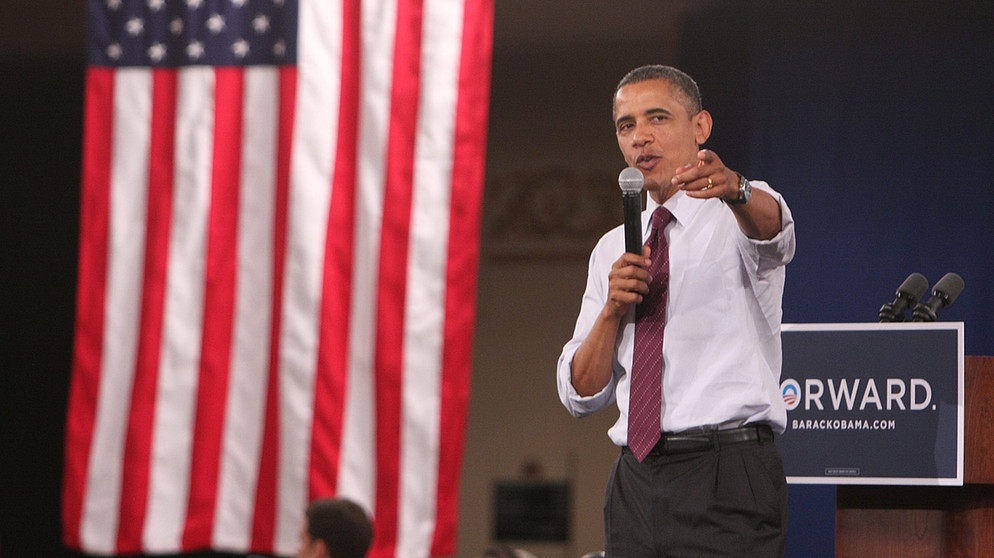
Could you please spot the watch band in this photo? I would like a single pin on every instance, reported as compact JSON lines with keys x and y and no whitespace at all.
{"x":745,"y":192}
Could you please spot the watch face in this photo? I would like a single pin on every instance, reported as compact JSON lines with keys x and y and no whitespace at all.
{"x":745,"y":192}
{"x":745,"y":189}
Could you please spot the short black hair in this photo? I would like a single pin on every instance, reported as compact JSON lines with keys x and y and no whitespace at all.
{"x":683,"y":83}
{"x":343,"y":526}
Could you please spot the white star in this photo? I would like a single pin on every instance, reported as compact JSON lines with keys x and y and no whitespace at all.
{"x":157,"y":52}
{"x":240,"y":49}
{"x":261,"y":24}
{"x":156,"y":5}
{"x":279,"y":48}
{"x":114,"y":51}
{"x":195,"y":50}
{"x":135,"y":26}
{"x":215,"y":23}
{"x":279,"y":3}
{"x":194,"y":4}
{"x":238,"y":3}
{"x":114,"y":4}
{"x":176,"y":26}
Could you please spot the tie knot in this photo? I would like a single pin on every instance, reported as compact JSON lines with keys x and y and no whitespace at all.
{"x":660,"y":218}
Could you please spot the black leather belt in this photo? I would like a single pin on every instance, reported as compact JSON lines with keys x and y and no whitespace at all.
{"x":686,"y":442}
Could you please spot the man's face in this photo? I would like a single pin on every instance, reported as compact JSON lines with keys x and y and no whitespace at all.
{"x":655,"y":132}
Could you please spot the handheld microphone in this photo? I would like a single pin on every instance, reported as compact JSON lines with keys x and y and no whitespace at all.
{"x":631,"y":181}
{"x":910,"y":292}
{"x":944,"y":293}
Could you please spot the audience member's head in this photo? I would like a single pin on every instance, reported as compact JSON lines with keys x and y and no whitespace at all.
{"x":335,"y":528}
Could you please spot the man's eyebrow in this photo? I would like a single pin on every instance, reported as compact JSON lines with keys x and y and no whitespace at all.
{"x":623,"y":118}
{"x":649,"y":112}
{"x":655,"y":111}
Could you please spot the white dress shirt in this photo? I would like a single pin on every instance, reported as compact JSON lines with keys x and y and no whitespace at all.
{"x":721,"y":348}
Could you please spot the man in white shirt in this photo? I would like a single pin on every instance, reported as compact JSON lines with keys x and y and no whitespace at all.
{"x":713,"y":483}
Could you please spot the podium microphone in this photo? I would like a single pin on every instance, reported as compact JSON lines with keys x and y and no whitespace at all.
{"x":944,"y":293}
{"x":910,"y":292}
{"x":631,"y":181}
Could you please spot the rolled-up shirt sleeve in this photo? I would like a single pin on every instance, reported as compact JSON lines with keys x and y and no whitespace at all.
{"x":594,"y":297}
{"x":768,"y":255}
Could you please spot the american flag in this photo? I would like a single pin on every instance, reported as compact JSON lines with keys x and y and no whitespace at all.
{"x":278,"y":260}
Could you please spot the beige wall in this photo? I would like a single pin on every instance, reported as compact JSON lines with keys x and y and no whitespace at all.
{"x":526,"y":309}
{"x":544,"y":209}
{"x":552,"y":167}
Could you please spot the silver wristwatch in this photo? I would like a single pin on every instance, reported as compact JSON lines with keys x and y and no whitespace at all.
{"x":745,"y":192}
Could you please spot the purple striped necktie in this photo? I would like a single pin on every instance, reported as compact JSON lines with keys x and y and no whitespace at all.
{"x":645,"y":400}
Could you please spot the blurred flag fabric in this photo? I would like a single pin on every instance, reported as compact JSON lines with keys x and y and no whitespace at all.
{"x":278,"y":261}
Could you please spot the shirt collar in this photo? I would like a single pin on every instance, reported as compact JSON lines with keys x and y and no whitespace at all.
{"x":683,"y":207}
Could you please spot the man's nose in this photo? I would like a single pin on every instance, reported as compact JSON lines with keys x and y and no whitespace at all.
{"x":641,"y":134}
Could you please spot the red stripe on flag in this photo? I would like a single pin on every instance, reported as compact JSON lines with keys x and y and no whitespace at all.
{"x":392,"y":287}
{"x":468,"y":165}
{"x":90,"y":296}
{"x":264,"y":514}
{"x":138,"y":443}
{"x":336,"y":291}
{"x":219,"y":303}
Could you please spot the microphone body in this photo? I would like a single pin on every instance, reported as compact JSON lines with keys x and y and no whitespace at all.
{"x":631,"y":180}
{"x":944,"y":293}
{"x":632,"y":203}
{"x":910,"y":292}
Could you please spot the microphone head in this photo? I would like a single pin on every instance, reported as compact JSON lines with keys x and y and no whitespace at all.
{"x":631,"y":180}
{"x":913,"y":288}
{"x":949,"y":287}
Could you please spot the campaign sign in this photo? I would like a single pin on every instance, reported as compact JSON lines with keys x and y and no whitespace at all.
{"x":873,"y":403}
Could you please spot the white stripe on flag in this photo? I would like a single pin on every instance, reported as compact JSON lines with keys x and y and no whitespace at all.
{"x":242,"y":439}
{"x":310,"y":195}
{"x":128,"y":197}
{"x":182,"y":331}
{"x":358,"y":470}
{"x":424,"y":315}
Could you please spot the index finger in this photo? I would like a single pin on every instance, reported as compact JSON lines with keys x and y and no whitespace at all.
{"x":628,"y":258}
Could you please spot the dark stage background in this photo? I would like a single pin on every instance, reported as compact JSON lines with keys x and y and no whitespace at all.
{"x":875,"y":119}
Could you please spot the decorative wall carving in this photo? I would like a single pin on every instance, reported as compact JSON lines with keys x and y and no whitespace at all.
{"x":552,"y":212}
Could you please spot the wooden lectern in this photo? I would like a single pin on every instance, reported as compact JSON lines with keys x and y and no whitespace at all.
{"x":927,"y":521}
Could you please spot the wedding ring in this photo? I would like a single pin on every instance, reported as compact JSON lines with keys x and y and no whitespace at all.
{"x":710,"y":184}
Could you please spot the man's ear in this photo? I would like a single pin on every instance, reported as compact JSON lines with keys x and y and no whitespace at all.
{"x":702,"y":126}
{"x":322,"y":548}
